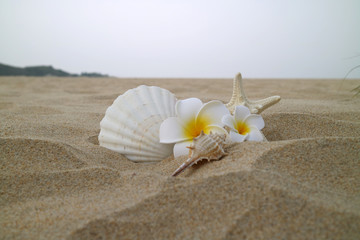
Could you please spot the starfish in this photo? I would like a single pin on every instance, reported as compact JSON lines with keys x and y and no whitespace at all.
{"x":239,"y":98}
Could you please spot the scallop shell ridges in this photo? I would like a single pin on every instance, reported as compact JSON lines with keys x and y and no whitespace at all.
{"x":131,"y":124}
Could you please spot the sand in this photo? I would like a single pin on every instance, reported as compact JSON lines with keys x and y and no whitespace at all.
{"x":58,"y":183}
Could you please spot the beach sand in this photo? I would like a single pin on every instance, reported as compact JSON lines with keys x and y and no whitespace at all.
{"x":58,"y":183}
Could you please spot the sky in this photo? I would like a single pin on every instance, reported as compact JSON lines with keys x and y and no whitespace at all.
{"x":184,"y":38}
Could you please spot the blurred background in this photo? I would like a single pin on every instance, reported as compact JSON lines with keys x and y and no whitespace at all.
{"x":188,"y":38}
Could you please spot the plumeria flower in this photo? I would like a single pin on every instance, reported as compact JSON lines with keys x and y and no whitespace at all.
{"x":244,"y":125}
{"x":192,"y":117}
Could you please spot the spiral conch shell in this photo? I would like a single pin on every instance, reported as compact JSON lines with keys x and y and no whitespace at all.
{"x":210,"y":147}
{"x":131,"y":124}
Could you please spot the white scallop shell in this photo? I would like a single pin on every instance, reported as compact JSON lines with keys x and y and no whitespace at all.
{"x":131,"y":124}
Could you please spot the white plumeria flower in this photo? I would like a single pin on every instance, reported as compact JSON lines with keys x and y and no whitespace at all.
{"x":244,"y":125}
{"x":192,"y":117}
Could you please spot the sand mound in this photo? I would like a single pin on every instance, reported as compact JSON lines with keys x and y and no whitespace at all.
{"x":300,"y":192}
{"x":285,"y":126}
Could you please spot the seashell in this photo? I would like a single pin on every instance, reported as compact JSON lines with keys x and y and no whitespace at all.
{"x":210,"y":147}
{"x":131,"y":124}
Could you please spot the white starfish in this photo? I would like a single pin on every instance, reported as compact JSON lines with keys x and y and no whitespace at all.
{"x":239,"y":98}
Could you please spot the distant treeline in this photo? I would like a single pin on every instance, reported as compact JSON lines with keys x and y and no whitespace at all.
{"x":6,"y":70}
{"x":93,"y":74}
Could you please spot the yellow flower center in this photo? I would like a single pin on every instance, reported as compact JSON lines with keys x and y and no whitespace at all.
{"x":193,"y":128}
{"x":242,"y":128}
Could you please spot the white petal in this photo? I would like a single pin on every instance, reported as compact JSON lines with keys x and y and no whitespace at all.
{"x":255,"y":120}
{"x":229,"y":121}
{"x":181,"y":149}
{"x":212,"y":112}
{"x":187,"y":109}
{"x":215,"y":129}
{"x":255,"y":135}
{"x":241,"y":112}
{"x":236,"y":137}
{"x":171,"y":131}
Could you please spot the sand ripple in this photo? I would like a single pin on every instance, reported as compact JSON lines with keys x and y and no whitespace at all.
{"x":316,"y":190}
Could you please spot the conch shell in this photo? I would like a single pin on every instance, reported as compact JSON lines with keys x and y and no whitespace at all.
{"x":210,"y":147}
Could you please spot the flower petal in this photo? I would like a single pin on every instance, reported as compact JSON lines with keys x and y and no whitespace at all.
{"x":236,"y":137}
{"x":181,"y":149}
{"x":187,"y":109}
{"x":241,"y":112}
{"x":255,"y":135}
{"x":255,"y":120}
{"x":211,"y":113}
{"x":171,"y":131}
{"x":229,"y":121}
{"x":215,"y":129}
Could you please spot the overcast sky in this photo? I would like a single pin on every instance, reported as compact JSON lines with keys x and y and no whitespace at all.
{"x":184,"y":38}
